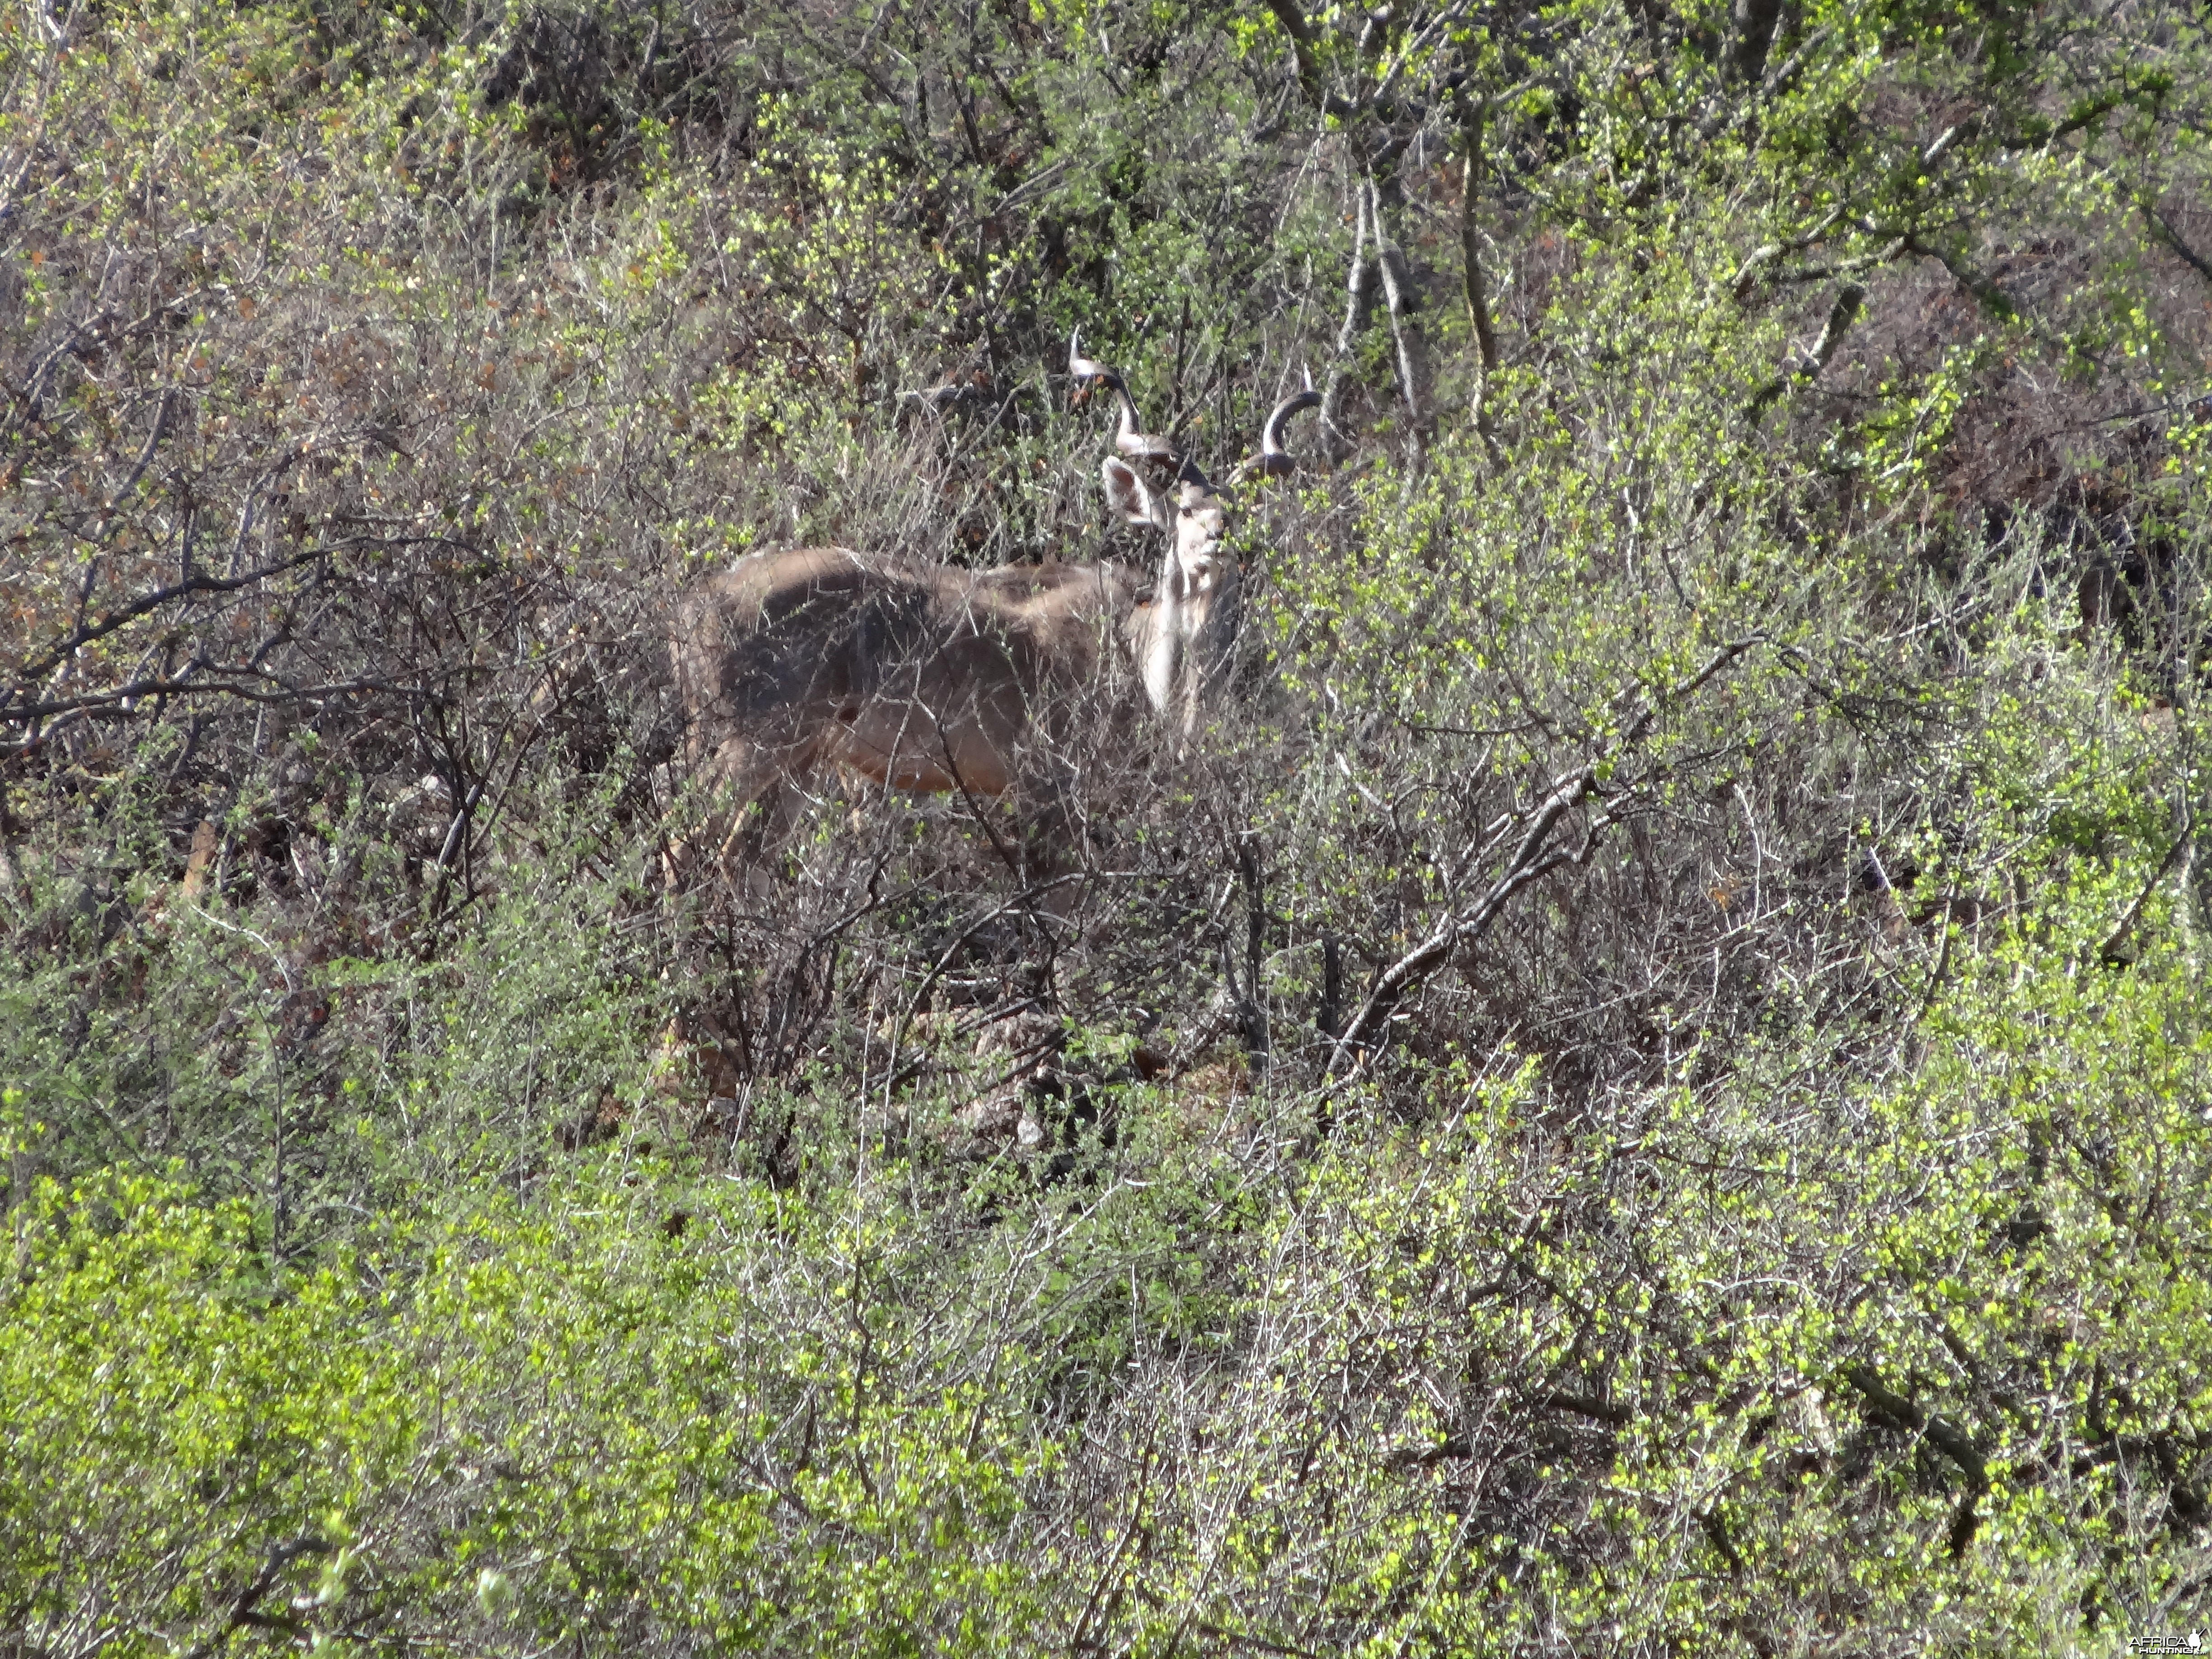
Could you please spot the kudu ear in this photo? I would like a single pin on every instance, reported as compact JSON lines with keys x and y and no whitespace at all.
{"x":1126,"y":493}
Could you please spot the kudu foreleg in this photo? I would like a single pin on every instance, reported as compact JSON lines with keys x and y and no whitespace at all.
{"x":741,"y":789}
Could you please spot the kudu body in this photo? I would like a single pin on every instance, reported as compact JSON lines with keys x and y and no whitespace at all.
{"x":934,"y":678}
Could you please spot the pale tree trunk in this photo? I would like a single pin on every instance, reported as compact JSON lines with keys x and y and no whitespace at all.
{"x":1377,"y":264}
{"x":1378,"y":259}
{"x":1477,"y":285}
{"x":1359,"y":307}
{"x":1403,"y":302}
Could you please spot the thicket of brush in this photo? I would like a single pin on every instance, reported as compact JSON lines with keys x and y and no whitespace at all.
{"x":1642,"y":1089}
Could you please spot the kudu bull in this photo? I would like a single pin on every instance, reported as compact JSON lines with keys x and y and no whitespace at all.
{"x":932,"y":679}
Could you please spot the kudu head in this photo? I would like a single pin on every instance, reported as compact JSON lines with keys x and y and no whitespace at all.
{"x":1183,"y":636}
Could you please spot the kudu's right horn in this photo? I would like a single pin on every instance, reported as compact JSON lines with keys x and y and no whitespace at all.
{"x":1274,"y":461}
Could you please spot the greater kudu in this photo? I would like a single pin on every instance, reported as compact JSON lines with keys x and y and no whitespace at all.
{"x":934,"y":678}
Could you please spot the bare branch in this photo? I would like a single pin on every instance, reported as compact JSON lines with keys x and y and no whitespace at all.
{"x":247,"y":684}
{"x":1532,"y":859}
{"x":243,"y":1608}
{"x":146,"y":455}
{"x":1302,"y":42}
{"x":2183,"y":850}
{"x":2163,"y":231}
{"x":91,"y":632}
{"x":88,"y":633}
{"x":1897,"y":1412}
{"x":1841,"y":315}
